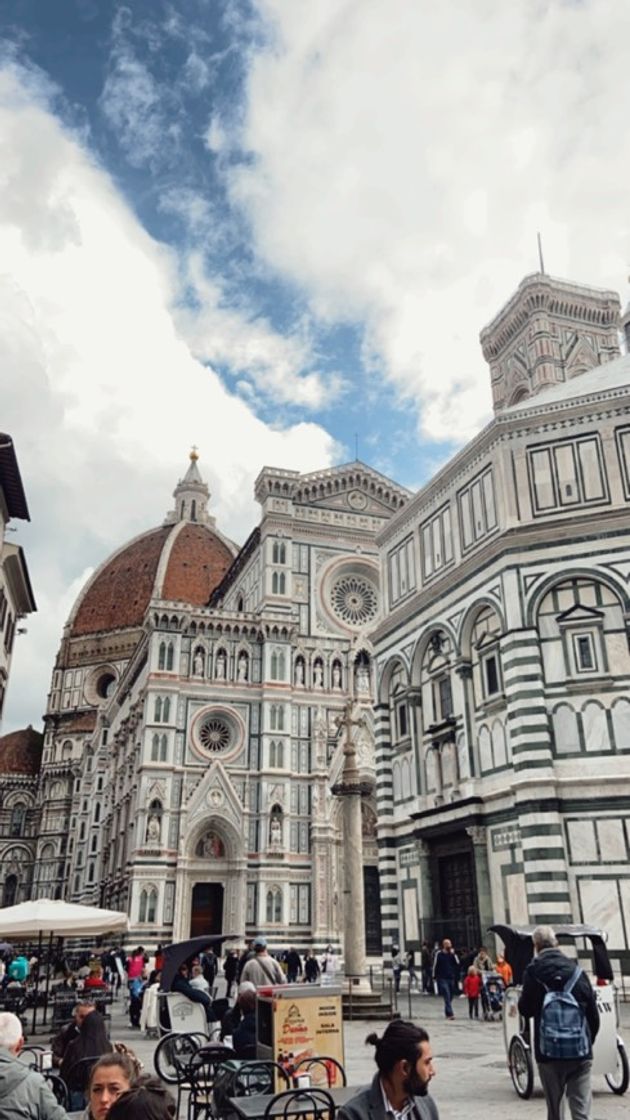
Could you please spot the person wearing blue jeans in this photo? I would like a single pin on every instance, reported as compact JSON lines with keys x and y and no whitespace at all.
{"x":446,"y":975}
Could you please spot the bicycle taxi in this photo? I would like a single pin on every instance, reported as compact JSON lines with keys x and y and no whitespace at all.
{"x":609,"y":1053}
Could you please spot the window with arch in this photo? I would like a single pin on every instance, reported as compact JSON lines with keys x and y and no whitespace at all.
{"x":151,"y":905}
{"x":279,"y":552}
{"x":165,"y":655}
{"x":9,"y":891}
{"x":278,"y":583}
{"x":486,"y":662}
{"x":97,"y":812}
{"x":166,"y":709}
{"x":578,"y":621}
{"x":142,"y":907}
{"x":273,"y":908}
{"x":276,"y":754}
{"x":276,"y":717}
{"x":278,"y":665}
{"x":398,"y":707}
{"x":437,"y":690}
{"x":240,"y":603}
{"x":157,"y":709}
{"x":18,"y":820}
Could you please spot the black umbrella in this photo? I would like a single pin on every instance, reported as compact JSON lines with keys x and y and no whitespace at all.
{"x":175,"y":955}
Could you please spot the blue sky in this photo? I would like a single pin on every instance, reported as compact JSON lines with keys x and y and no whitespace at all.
{"x":267,"y":226}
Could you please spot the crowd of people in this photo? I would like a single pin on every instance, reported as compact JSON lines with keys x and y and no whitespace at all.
{"x":114,"y":1087}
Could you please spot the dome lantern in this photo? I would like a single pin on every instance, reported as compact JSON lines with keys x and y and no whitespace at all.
{"x":191,"y":496}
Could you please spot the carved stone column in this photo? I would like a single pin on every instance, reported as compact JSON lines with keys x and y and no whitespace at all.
{"x":478,"y":835}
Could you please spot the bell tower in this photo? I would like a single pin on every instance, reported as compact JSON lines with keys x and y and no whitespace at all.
{"x":549,"y":331}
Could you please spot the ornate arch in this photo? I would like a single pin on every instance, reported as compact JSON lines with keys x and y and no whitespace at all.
{"x":386,"y":673}
{"x":233,"y":842}
{"x":470,"y":617}
{"x":422,"y":644}
{"x":597,"y":575}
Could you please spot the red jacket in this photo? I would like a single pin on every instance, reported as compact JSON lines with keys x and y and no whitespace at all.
{"x":472,"y":986}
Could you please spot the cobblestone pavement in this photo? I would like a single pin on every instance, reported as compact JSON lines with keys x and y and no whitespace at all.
{"x":472,"y":1078}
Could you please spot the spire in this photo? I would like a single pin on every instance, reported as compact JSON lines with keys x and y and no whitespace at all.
{"x":191,"y":496}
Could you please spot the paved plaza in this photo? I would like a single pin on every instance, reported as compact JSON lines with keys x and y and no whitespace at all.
{"x":472,"y":1078}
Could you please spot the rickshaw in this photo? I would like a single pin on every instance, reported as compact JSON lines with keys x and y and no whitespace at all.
{"x":182,"y":1024}
{"x":609,"y":1052}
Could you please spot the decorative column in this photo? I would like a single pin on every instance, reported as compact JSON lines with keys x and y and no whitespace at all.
{"x":478,"y":835}
{"x":352,"y":789}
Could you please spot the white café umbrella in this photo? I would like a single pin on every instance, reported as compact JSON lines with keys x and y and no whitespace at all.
{"x":65,"y":919}
{"x":57,"y":918}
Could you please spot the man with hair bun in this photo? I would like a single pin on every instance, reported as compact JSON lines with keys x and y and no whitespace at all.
{"x":23,"y":1091}
{"x":399,"y":1091}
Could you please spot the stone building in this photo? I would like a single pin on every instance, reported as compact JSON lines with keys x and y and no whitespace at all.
{"x":16,"y":595}
{"x":191,"y":730}
{"x":503,"y":668}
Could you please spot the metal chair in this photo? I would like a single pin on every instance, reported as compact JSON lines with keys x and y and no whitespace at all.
{"x":324,"y":1070}
{"x":316,"y":1104}
{"x":172,"y":1057}
{"x":59,"y":1088}
{"x":200,"y":1076}
{"x":258,"y":1077}
{"x":78,"y":1076}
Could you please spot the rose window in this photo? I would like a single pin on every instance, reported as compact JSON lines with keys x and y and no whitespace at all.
{"x":215,"y":734}
{"x":354,"y":600}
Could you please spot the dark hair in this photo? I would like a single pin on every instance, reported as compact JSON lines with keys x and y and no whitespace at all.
{"x":400,"y":1040}
{"x":123,"y":1061}
{"x":247,"y":1002}
{"x":149,"y":1099}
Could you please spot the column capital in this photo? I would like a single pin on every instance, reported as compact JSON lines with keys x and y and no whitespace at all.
{"x":478,"y":834}
{"x":463,"y":668}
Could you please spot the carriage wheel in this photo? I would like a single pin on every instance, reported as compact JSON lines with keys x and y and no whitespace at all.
{"x":521,"y":1067}
{"x":172,"y":1053}
{"x":619,"y":1080}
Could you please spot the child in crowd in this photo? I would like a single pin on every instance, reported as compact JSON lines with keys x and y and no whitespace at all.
{"x":472,"y":988}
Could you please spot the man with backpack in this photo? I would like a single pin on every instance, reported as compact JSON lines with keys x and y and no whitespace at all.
{"x":559,"y":997}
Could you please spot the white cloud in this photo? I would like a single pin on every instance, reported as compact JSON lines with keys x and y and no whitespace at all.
{"x":99,"y":391}
{"x":404,"y":157}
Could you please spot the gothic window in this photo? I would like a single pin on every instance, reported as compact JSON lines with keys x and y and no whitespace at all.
{"x":9,"y":892}
{"x":300,"y":903}
{"x":169,"y":655}
{"x":155,"y":747}
{"x":94,"y":844}
{"x":18,"y":820}
{"x":151,"y":905}
{"x":166,"y":709}
{"x":273,"y":908}
{"x":142,"y":908}
{"x":276,"y":718}
{"x":97,"y":812}
{"x":193,"y":513}
{"x":163,"y":748}
{"x":157,"y":709}
{"x":279,"y":553}
{"x":162,"y":656}
{"x":354,"y":600}
{"x":240,"y":603}
{"x":278,"y":665}
{"x":276,"y":754}
{"x":278,"y":583}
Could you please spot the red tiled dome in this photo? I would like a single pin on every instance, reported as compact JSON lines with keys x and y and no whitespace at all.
{"x":182,"y":562}
{"x":21,"y":751}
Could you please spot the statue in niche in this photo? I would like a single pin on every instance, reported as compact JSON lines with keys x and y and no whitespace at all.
{"x":299,"y":671}
{"x":336,"y":675}
{"x":212,"y":846}
{"x":275,"y":832}
{"x":368,"y":823}
{"x":153,"y":830}
{"x":318,"y":675}
{"x":221,"y":666}
{"x":198,"y":663}
{"x":242,"y":667}
{"x":362,"y":679}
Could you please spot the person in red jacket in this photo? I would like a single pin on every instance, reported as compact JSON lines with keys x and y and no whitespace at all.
{"x":472,"y":988}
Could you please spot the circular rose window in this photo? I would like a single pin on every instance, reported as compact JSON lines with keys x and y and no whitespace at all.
{"x":354,"y":600}
{"x":215,"y":734}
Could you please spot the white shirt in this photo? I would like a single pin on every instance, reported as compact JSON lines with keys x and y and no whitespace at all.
{"x":405,"y":1112}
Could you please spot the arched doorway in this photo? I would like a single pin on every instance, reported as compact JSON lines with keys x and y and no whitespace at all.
{"x":10,"y":890}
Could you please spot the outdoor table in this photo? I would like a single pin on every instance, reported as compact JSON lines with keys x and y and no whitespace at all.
{"x":253,"y":1108}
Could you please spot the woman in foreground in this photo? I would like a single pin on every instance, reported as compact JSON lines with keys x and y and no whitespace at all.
{"x":111,"y":1076}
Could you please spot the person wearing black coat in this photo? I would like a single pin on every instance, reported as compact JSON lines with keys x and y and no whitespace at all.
{"x":550,"y":970}
{"x":230,"y":971}
{"x":91,"y":1042}
{"x":446,"y":975}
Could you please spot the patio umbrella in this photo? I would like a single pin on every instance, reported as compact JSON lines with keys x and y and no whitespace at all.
{"x":53,"y":916}
{"x":180,"y":951}
{"x":66,"y":919}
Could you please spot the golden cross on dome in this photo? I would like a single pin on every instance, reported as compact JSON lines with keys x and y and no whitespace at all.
{"x":194,"y":453}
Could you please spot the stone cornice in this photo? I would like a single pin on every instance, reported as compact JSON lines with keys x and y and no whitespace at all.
{"x":536,"y":419}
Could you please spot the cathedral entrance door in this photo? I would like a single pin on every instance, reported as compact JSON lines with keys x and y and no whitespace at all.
{"x":207,"y":909}
{"x":455,"y":909}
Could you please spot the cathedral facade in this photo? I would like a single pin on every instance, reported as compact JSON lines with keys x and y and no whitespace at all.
{"x":503,"y":664}
{"x":193,"y":733}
